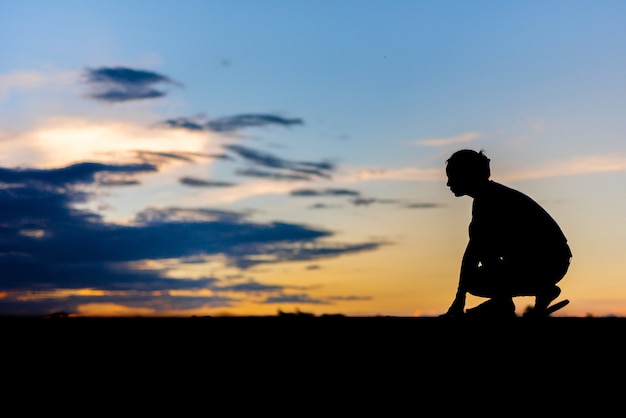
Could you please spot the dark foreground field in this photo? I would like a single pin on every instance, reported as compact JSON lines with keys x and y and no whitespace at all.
{"x":402,"y":336}
{"x":322,"y":362}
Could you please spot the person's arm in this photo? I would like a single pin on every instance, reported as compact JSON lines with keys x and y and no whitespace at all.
{"x":457,"y":308}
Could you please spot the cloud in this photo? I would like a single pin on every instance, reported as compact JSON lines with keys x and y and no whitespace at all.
{"x":356,"y":200}
{"x":56,"y":257}
{"x":356,"y":174}
{"x":322,"y":206}
{"x":185,"y":123}
{"x":252,"y":172}
{"x":74,"y":174}
{"x":457,"y":139}
{"x":422,"y":205}
{"x":164,"y":157}
{"x":121,"y":84}
{"x":300,"y":298}
{"x":230,"y":123}
{"x":575,"y":165}
{"x":324,"y":192}
{"x":252,"y":287}
{"x":57,"y":141}
{"x":303,"y":298}
{"x":366,"y":201}
{"x":267,"y":160}
{"x":194,"y":182}
{"x":116,"y":182}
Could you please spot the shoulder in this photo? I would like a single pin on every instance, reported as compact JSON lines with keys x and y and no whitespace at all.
{"x":501,"y":192}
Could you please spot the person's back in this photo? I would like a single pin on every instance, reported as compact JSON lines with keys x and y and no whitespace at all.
{"x":511,"y":225}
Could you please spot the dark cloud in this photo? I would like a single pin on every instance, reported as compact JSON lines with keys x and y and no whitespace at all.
{"x":363,"y":201}
{"x":47,"y":244}
{"x":303,"y":251}
{"x":156,"y":157}
{"x":421,"y":205}
{"x":86,"y":172}
{"x":366,"y":201}
{"x":117,"y":182}
{"x":185,"y":123}
{"x":233,"y":123}
{"x":303,"y":298}
{"x":164,"y":156}
{"x":12,"y":305}
{"x":324,"y":192}
{"x":194,"y":182}
{"x":120,"y":84}
{"x":230,"y":123}
{"x":252,"y":172}
{"x":322,"y":206}
{"x":252,"y":287}
{"x":267,"y":160}
{"x":300,"y":298}
{"x":356,"y":200}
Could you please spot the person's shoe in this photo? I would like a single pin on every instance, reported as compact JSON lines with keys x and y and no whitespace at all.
{"x":497,"y":308}
{"x":542,"y":302}
{"x":545,"y":298}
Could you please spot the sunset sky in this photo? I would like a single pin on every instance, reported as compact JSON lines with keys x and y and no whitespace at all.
{"x":245,"y":157}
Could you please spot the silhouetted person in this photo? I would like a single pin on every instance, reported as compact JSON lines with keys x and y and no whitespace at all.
{"x":515,"y":247}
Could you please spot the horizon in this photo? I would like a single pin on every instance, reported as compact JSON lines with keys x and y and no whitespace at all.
{"x":243,"y":159}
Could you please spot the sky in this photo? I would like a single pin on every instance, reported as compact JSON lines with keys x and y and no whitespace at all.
{"x":247,"y":158}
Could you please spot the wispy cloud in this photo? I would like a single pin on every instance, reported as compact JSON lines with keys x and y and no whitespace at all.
{"x":322,"y":206}
{"x":74,"y":174}
{"x":270,"y":175}
{"x":300,"y":298}
{"x":267,"y":160}
{"x":422,"y":205}
{"x":195,"y":182}
{"x":252,"y":287}
{"x":356,"y":174}
{"x":456,"y":139}
{"x":576,"y":165}
{"x":356,"y":198}
{"x":230,"y":123}
{"x":324,"y":192}
{"x":121,"y":84}
{"x":303,"y":298}
{"x":366,"y":201}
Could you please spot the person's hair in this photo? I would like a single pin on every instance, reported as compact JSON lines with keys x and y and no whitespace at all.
{"x":471,"y":163}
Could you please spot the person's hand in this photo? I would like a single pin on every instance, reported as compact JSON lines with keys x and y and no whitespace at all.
{"x":456,"y":310}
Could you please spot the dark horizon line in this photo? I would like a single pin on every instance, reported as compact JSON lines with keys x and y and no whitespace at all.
{"x":299,"y":315}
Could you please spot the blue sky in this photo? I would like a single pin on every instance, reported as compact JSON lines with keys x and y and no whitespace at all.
{"x":240,"y":157}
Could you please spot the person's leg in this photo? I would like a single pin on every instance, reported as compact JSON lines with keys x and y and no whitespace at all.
{"x":490,"y":282}
{"x":544,"y":286}
{"x":550,"y":291}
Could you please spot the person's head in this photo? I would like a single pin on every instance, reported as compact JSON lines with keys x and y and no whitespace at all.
{"x":467,"y":171}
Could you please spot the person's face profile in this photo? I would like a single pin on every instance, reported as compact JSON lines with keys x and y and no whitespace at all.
{"x":457,"y":182}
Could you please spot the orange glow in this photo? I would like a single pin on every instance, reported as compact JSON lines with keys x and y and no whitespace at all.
{"x":112,"y":309}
